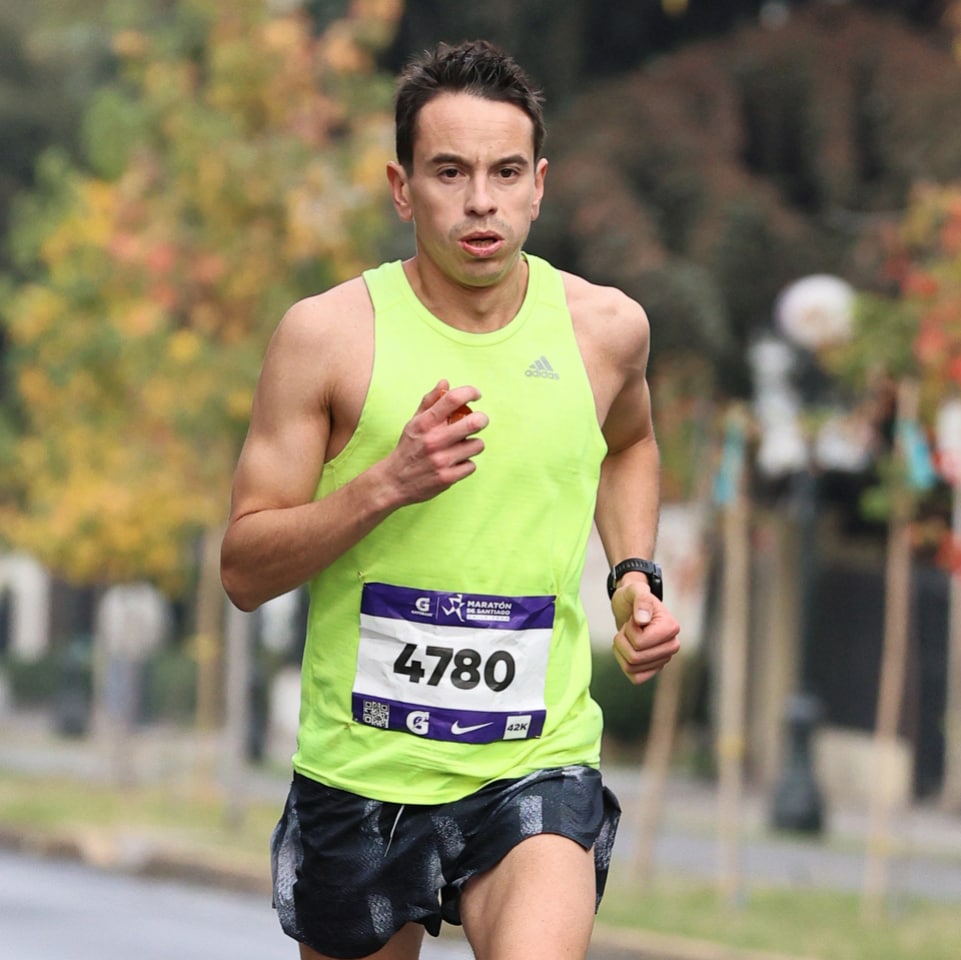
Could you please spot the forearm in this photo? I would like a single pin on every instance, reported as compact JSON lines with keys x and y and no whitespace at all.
{"x":271,"y":551}
{"x":628,"y":501}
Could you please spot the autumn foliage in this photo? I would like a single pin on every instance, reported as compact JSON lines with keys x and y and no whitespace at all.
{"x":927,"y":267}
{"x":235,"y":165}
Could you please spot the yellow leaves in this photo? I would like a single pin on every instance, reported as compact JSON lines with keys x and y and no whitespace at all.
{"x":160,"y":397}
{"x":371,"y":162}
{"x":211,"y":173}
{"x":385,"y":10}
{"x":375,"y":20}
{"x":139,"y":319}
{"x":340,"y":52}
{"x":118,"y":510}
{"x":184,"y":346}
{"x":284,"y":36}
{"x":34,"y":386}
{"x":89,"y":224}
{"x":239,"y":402}
{"x":129,"y":44}
{"x":39,"y":307}
{"x":322,"y":207}
{"x":99,"y":201}
{"x":139,"y":342}
{"x":933,"y":220}
{"x":169,"y":82}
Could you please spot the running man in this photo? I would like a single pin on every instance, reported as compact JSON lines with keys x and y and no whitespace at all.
{"x":429,"y":445}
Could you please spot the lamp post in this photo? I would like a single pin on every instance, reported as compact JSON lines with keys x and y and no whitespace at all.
{"x":812,"y":313}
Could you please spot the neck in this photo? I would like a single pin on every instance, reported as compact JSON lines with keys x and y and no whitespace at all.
{"x":474,"y":309}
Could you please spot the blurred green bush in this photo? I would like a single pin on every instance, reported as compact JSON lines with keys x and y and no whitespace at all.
{"x":627,"y":708}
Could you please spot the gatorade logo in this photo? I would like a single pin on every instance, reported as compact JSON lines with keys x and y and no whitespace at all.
{"x":418,"y":721}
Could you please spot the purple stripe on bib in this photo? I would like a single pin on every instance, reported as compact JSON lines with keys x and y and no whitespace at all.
{"x":439,"y":723}
{"x":457,"y":609}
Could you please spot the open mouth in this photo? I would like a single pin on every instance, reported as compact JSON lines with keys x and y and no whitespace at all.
{"x":479,"y":243}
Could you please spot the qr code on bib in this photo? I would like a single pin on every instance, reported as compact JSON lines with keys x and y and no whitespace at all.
{"x":376,"y":714}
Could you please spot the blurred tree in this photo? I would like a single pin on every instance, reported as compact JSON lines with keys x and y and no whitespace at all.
{"x":235,"y":165}
{"x":567,"y":44}
{"x":756,"y":158}
{"x":912,"y":325}
{"x":908,"y":332}
{"x":53,"y":55}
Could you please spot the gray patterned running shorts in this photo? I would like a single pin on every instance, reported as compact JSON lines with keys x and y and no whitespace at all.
{"x":349,"y":872}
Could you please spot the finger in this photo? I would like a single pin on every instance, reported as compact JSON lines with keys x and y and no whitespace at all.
{"x":638,"y":678}
{"x":454,"y":413}
{"x":643,"y":614}
{"x":637,"y":674}
{"x":429,"y":399}
{"x":644,"y":652}
{"x":453,"y":399}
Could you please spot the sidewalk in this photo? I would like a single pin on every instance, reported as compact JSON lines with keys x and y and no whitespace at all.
{"x":927,"y":843}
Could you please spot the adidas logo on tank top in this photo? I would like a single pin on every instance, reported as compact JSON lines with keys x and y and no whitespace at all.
{"x":541,"y":367}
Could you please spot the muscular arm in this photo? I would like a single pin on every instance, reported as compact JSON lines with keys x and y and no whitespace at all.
{"x":277,"y":535}
{"x":628,"y":496}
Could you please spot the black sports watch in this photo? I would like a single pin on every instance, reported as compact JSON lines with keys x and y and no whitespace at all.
{"x":648,"y":567}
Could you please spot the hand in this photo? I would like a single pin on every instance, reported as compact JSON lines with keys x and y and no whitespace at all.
{"x":434,"y":453}
{"x":647,"y":634}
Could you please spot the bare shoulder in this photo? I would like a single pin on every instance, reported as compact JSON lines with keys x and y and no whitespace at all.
{"x":607,"y":321}
{"x":321,"y":337}
{"x":327,"y":319}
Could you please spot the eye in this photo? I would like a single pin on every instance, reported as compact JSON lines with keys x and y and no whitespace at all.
{"x":448,"y":173}
{"x":508,"y":173}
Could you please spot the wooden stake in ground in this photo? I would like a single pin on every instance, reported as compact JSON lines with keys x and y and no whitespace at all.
{"x":208,"y":649}
{"x":893,"y":668}
{"x":657,"y":762}
{"x":949,"y":452}
{"x":238,"y":636}
{"x":209,"y":636}
{"x":688,"y":579}
{"x":733,"y":659}
{"x":951,"y":791}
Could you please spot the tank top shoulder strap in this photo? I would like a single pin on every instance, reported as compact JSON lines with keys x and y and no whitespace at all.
{"x":546,"y":281}
{"x":386,"y":284}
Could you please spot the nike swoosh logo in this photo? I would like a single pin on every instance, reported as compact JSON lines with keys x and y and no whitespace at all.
{"x":457,"y":729}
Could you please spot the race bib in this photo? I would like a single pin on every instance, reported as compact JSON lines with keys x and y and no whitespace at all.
{"x":452,"y":666}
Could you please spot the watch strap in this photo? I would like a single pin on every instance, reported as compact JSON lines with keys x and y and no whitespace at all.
{"x":649,"y":568}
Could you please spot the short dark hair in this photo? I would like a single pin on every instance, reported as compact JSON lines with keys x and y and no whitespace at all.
{"x":476,"y":67}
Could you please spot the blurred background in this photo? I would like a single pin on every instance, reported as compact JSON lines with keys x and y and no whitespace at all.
{"x":778,"y":183}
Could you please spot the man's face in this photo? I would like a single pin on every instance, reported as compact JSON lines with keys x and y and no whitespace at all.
{"x":474,"y":187}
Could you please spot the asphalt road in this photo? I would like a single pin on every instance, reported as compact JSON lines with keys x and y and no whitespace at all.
{"x":57,"y":910}
{"x":65,"y":910}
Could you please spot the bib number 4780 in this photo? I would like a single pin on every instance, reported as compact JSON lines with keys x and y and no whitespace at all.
{"x":465,"y":668}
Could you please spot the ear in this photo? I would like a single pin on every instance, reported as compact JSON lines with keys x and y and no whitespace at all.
{"x":540,"y":172}
{"x":399,"y":191}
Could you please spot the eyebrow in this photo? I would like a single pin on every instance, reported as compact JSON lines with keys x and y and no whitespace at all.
{"x":516,"y":160}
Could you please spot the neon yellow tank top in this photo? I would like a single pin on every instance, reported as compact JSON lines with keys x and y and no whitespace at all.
{"x":449,"y":648}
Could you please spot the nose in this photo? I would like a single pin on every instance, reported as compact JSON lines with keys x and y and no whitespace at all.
{"x":480,"y":201}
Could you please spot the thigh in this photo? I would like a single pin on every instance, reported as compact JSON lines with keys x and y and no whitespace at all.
{"x":404,"y":945}
{"x":537,"y":903}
